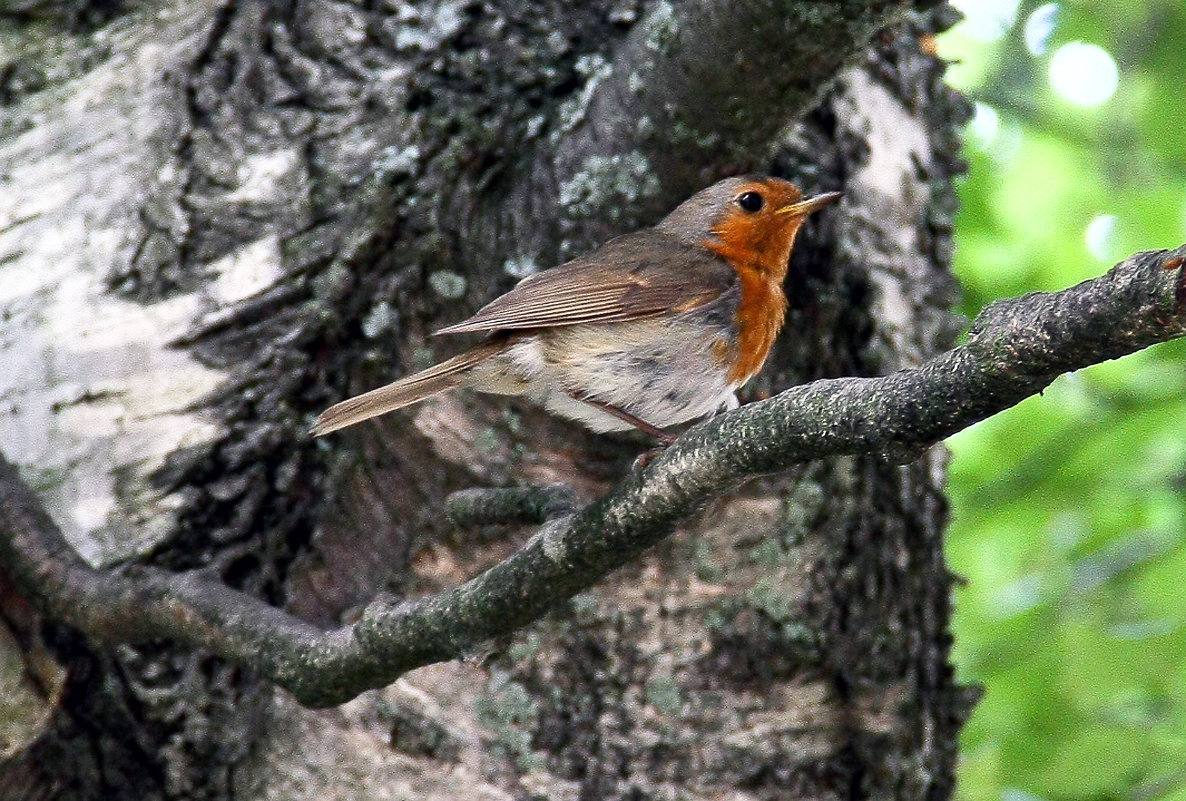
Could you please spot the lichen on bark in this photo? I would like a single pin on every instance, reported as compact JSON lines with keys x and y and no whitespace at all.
{"x":342,"y":155}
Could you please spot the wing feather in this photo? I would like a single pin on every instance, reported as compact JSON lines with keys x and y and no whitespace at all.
{"x":634,"y":276}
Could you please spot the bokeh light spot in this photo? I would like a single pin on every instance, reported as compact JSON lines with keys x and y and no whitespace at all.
{"x":985,"y":124}
{"x":1038,"y":27}
{"x":1099,"y":235}
{"x":986,"y":20}
{"x":1083,"y":74}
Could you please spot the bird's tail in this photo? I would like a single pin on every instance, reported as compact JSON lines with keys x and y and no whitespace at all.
{"x":449,"y":374}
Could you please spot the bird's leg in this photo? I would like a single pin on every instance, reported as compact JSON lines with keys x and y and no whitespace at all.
{"x":646,"y":457}
{"x":626,"y":417}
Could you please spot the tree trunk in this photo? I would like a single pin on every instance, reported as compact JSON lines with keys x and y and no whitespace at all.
{"x":215,"y":220}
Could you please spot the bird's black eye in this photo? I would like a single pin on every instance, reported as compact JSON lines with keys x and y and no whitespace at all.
{"x":751,"y":201}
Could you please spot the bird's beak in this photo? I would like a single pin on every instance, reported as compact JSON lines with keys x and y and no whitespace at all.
{"x":811,"y":204}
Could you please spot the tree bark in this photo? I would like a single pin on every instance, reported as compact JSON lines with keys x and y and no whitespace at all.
{"x":215,"y":219}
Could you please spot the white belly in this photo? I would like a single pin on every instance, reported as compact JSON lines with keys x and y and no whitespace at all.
{"x":664,"y":380}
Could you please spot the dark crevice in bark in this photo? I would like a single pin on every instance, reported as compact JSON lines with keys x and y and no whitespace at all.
{"x":71,"y":16}
{"x":54,"y":42}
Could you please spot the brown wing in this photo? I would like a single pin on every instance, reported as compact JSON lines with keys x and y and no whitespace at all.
{"x":637,"y":275}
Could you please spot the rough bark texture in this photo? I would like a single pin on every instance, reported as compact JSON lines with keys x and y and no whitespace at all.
{"x":294,"y":195}
{"x":1014,"y":351}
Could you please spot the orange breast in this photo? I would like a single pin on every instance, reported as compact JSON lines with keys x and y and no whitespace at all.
{"x":759,"y":319}
{"x":760,"y":313}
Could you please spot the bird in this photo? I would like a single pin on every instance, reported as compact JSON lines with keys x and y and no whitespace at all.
{"x":650,"y":330}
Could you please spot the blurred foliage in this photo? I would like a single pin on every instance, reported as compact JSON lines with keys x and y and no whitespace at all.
{"x":1070,"y":510}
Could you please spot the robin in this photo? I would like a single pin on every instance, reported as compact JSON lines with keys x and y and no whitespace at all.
{"x":652,"y":329}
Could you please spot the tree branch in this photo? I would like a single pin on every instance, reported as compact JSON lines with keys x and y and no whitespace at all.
{"x":1015,"y":349}
{"x":712,"y":83}
{"x":485,"y":507}
{"x":695,"y":92}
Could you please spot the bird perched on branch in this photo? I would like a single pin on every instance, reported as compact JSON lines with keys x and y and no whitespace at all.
{"x":652,"y":329}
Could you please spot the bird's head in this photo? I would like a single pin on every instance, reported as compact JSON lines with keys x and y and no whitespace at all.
{"x":749,"y":220}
